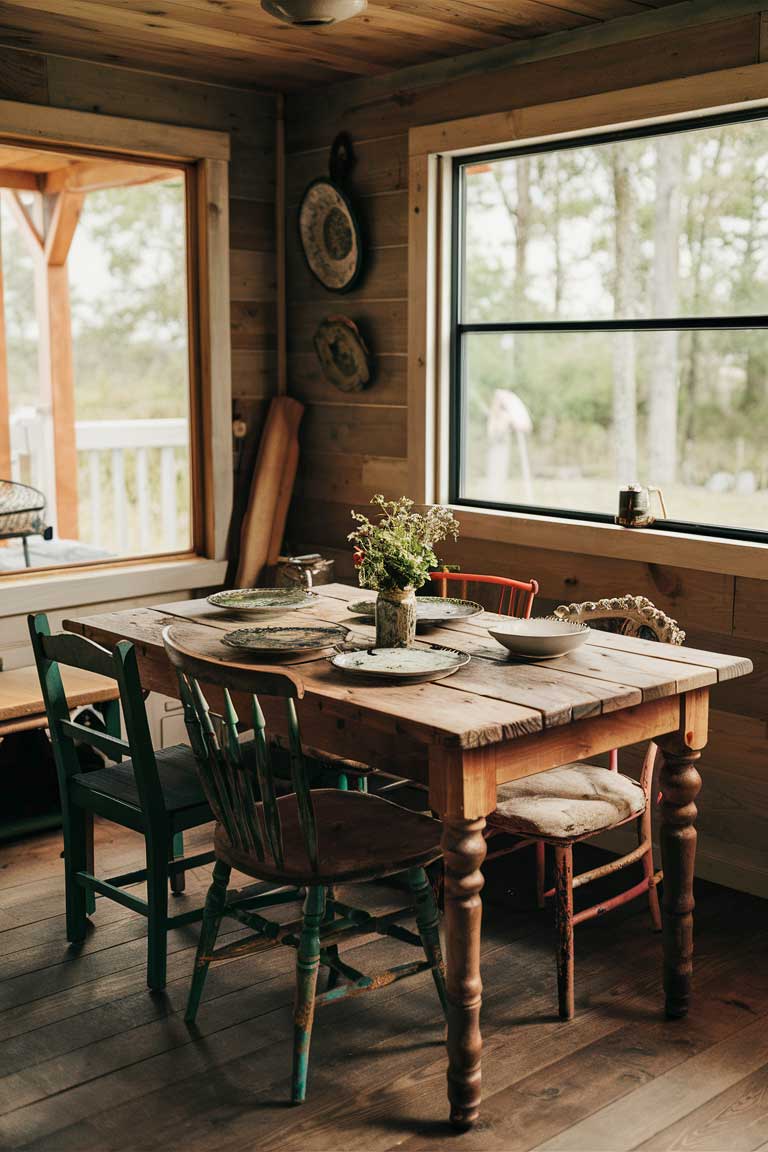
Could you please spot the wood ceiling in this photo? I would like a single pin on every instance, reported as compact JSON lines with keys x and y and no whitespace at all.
{"x":235,"y":42}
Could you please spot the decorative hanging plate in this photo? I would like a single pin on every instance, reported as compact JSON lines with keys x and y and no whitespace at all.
{"x":275,"y":639}
{"x":328,"y":228}
{"x":430,"y":610}
{"x":254,"y":601}
{"x":342,"y":354}
{"x":408,"y":665}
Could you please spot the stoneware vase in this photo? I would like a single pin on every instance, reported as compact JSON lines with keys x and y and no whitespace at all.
{"x":396,"y":618}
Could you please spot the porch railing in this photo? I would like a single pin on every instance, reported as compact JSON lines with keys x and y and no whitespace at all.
{"x":129,"y":471}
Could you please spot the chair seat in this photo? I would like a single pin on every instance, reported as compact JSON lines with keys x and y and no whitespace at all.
{"x":178,"y":779}
{"x":567,"y":803}
{"x":361,"y":837}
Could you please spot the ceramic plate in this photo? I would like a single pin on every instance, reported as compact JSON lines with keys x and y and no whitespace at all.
{"x":411,"y":665}
{"x":430,"y":610}
{"x":540,"y":639}
{"x":250,"y":601}
{"x":273,"y":638}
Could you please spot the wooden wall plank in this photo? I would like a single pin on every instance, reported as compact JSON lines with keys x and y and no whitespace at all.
{"x":23,"y":76}
{"x":379,"y":431}
{"x":750,"y":610}
{"x":388,"y":385}
{"x":384,"y":277}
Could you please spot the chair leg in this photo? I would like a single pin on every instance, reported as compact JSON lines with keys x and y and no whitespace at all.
{"x":215,"y":903}
{"x":157,"y":916}
{"x":564,"y":913}
{"x":75,"y":824}
{"x":428,"y":921}
{"x":90,"y":895}
{"x":541,"y":873}
{"x":307,"y":965}
{"x":176,"y":852}
{"x":644,"y":834}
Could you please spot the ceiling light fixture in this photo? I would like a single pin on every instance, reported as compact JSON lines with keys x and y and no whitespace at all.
{"x":313,"y":13}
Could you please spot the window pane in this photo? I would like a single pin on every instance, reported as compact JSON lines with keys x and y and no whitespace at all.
{"x":664,"y":226}
{"x":102,"y":338}
{"x":562,"y":420}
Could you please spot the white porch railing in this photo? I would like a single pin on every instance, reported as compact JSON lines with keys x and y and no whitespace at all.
{"x":131,"y":497}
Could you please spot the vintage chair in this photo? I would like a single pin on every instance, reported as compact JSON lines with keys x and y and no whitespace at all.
{"x":508,"y":597}
{"x":155,"y":793}
{"x":565,"y":805}
{"x":307,"y":840}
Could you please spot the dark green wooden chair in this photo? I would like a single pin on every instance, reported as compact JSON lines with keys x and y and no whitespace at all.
{"x":304,"y":842}
{"x":155,"y":793}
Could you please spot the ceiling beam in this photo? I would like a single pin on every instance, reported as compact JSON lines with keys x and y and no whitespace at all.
{"x":94,"y":175}
{"x":22,"y":181}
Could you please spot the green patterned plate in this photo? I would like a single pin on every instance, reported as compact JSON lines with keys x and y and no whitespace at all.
{"x":409,"y":665}
{"x":430,"y":610}
{"x":255,"y":601}
{"x":275,"y":639}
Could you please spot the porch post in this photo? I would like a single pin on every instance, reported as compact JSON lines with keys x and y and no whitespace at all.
{"x":5,"y":400}
{"x":55,"y":324}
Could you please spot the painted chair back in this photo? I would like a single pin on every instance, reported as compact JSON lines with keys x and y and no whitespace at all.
{"x":627,"y":616}
{"x":496,"y":593}
{"x":240,"y":783}
{"x":120,"y":665}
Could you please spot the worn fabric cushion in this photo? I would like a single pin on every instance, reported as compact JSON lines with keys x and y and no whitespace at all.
{"x":567,"y":803}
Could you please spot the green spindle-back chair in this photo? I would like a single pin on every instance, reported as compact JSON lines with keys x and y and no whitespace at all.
{"x":308,"y":839}
{"x":155,"y":793}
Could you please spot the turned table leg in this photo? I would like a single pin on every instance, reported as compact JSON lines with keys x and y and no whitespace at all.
{"x":464,"y":850}
{"x":679,"y":783}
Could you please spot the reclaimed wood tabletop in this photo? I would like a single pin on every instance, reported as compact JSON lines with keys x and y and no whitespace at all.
{"x":497,"y":719}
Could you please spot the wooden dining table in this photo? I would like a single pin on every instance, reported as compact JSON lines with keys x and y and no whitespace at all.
{"x":493,"y":721}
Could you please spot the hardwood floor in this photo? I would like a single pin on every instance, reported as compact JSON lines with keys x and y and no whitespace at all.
{"x":89,"y":1060}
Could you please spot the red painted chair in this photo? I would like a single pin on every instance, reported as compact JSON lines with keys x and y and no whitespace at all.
{"x":513,"y":598}
{"x":565,"y":805}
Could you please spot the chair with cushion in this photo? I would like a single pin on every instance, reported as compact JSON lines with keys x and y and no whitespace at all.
{"x":565,"y":805}
{"x":155,"y":793}
{"x":306,"y":842}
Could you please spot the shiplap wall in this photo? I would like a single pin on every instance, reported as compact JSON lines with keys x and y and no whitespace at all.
{"x":354,"y":445}
{"x":249,"y":118}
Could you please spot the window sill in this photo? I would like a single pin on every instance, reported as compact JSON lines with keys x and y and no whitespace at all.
{"x":646,"y":545}
{"x":73,"y":587}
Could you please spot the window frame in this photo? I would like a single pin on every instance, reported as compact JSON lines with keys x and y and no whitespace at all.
{"x":458,"y":328}
{"x":203,"y":156}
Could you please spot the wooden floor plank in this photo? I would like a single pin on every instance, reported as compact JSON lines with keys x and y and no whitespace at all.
{"x":90,"y":1059}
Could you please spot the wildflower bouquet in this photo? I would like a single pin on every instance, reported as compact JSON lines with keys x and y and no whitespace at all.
{"x":397,"y":551}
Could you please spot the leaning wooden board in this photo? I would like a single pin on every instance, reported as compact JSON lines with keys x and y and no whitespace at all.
{"x":495,"y":720}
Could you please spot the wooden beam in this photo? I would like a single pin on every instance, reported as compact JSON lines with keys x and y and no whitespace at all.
{"x":23,"y":181}
{"x":61,"y":230}
{"x":32,"y":237}
{"x":46,"y":125}
{"x":5,"y":400}
{"x":93,"y":175}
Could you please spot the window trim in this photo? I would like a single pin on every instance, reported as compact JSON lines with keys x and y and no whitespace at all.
{"x":432,"y":150}
{"x":204,"y":156}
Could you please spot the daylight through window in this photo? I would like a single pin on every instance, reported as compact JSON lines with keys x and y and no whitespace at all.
{"x":94,"y":381}
{"x":611,"y":325}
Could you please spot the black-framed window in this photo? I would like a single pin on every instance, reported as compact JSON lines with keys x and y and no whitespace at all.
{"x":610,"y":325}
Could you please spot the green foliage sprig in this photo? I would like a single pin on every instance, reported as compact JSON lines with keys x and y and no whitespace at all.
{"x":398,"y":550}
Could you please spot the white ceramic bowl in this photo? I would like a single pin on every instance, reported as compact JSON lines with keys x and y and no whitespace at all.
{"x":540,"y":639}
